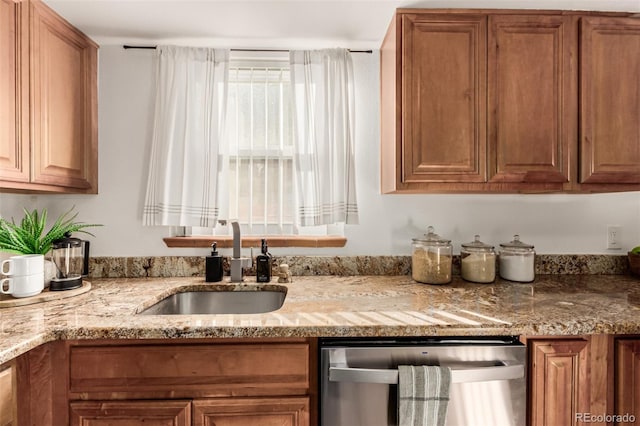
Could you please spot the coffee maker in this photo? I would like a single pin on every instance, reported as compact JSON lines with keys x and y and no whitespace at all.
{"x":71,"y":258}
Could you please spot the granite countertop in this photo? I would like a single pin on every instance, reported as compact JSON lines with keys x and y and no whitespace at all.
{"x":338,"y":306}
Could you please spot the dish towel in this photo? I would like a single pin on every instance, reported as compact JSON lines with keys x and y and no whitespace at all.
{"x":423,"y":395}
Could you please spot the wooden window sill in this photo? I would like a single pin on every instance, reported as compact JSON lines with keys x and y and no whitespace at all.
{"x":253,"y":241}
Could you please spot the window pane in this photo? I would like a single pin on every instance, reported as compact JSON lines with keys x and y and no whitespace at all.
{"x":258,"y":198}
{"x":287,"y":116}
{"x":244,"y":116}
{"x":288,"y":198}
{"x":260,"y":143}
{"x":274,"y":109}
{"x":259,"y":102}
{"x":243,"y":177}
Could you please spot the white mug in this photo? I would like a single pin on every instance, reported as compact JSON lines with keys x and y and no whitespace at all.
{"x":23,"y":285}
{"x":27,"y":264}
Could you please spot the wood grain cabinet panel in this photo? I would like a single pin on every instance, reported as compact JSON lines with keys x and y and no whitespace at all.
{"x":135,"y":371}
{"x":559,"y":386}
{"x":8,"y":402}
{"x":63,"y":84}
{"x":14,"y":84}
{"x":48,"y":110}
{"x":510,"y":101}
{"x":433,"y":102}
{"x":251,"y":412}
{"x":610,"y":87}
{"x":627,"y":377}
{"x":443,"y":97}
{"x":130,"y":413}
{"x":532,"y":99}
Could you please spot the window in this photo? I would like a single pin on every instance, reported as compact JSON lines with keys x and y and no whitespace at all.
{"x":259,"y":146}
{"x":259,"y":182}
{"x":204,"y":169}
{"x":260,"y":143}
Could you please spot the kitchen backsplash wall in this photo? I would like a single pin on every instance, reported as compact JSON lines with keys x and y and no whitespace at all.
{"x":554,"y":223}
{"x":187,"y":266}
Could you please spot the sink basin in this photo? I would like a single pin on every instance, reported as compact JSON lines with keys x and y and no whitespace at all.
{"x":245,"y":301}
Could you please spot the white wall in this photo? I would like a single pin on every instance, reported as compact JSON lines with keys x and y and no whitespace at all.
{"x":554,"y":223}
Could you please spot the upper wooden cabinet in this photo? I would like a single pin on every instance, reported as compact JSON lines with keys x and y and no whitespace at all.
{"x":610,"y":87}
{"x":488,"y":101}
{"x":49,"y":72}
{"x":14,"y":102}
{"x":532,"y":98}
{"x":443,"y":93}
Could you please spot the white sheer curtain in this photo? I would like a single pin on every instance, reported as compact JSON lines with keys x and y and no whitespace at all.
{"x":323,"y":98}
{"x":185,"y":163}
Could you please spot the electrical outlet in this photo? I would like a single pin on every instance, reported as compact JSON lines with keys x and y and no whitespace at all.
{"x":613,"y":237}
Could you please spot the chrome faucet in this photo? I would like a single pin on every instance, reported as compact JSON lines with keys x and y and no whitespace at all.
{"x":237,"y":262}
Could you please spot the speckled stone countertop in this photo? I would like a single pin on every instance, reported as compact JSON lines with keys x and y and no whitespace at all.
{"x":338,"y":306}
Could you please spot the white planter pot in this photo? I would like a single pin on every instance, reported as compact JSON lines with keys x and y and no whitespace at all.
{"x":49,"y":272}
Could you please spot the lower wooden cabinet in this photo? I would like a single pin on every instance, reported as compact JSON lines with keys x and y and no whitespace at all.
{"x":251,"y":412}
{"x":8,"y":402}
{"x":584,"y":380}
{"x":283,"y":411}
{"x":572,"y":380}
{"x":627,"y":378}
{"x":130,"y":413}
{"x":558,"y":381}
{"x":207,"y":382}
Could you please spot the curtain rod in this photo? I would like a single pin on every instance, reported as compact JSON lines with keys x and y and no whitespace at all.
{"x":126,"y":46}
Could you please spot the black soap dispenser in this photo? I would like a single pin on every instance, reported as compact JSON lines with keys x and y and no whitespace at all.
{"x":213,"y":266}
{"x":263,"y":264}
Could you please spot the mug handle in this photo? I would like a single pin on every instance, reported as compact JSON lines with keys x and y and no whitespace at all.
{"x":9,"y":289}
{"x":9,"y":262}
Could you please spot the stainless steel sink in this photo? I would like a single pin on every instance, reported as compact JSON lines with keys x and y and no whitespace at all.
{"x":244,"y":301}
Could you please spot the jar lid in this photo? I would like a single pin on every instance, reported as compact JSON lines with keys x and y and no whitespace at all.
{"x":477,"y":244}
{"x":517,"y":244}
{"x":432,"y":238}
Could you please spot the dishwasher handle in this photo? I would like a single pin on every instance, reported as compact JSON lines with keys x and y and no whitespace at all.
{"x":390,"y":377}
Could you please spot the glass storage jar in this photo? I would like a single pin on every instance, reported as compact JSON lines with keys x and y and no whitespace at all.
{"x":431,"y":259}
{"x":517,"y":261}
{"x":478,"y":262}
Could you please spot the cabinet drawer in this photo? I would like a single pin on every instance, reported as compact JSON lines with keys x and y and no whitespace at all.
{"x":189,"y":370}
{"x":252,"y":412}
{"x":130,"y":413}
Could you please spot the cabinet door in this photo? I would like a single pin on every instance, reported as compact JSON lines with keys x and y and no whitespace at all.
{"x":443,"y":98}
{"x":8,"y":403}
{"x":251,"y":412}
{"x":559,"y":387}
{"x":63,"y":103}
{"x":610,"y":101}
{"x":627,"y":377}
{"x":131,"y":413}
{"x":14,"y":85}
{"x":532,"y":115}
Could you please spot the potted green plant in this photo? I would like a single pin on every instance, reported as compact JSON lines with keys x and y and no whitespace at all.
{"x":634,"y":261}
{"x":28,"y":236}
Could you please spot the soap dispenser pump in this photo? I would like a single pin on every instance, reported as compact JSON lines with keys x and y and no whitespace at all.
{"x":263,"y":264}
{"x":213,"y":266}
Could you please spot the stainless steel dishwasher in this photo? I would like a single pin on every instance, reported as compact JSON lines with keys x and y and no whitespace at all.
{"x":359,"y":377}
